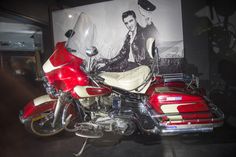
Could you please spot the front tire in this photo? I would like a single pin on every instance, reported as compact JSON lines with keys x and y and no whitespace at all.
{"x":41,"y":125}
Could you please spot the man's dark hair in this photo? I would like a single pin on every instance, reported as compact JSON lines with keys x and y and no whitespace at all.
{"x":128,"y":13}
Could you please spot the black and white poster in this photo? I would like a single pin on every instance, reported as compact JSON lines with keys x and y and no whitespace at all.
{"x":123,"y":26}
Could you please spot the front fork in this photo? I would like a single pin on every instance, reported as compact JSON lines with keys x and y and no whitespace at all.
{"x":57,"y":110}
{"x":62,"y":101}
{"x":62,"y":109}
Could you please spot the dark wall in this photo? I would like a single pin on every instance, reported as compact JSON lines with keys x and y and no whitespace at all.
{"x":35,"y":12}
{"x":196,"y":45}
{"x":210,"y":40}
{"x":34,"y":9}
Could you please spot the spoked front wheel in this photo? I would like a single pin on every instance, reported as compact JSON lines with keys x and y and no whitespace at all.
{"x":41,"y":125}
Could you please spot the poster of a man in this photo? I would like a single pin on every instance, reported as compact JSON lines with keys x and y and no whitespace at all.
{"x":146,"y":9}
{"x":123,"y":26}
{"x":133,"y":52}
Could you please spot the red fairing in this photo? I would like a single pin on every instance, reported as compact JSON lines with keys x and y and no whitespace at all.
{"x":62,"y":56}
{"x":69,"y":73}
{"x":30,"y":109}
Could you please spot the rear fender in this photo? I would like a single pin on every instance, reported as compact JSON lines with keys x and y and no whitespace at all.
{"x":37,"y":106}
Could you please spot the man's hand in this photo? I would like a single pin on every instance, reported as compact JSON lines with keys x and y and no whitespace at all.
{"x":147,"y":15}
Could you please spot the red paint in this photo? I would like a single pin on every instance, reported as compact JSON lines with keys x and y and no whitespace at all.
{"x":199,"y":106}
{"x":61,"y":56}
{"x":98,"y":91}
{"x":197,"y":115}
{"x":30,"y":109}
{"x":159,"y":99}
{"x":70,"y":74}
{"x":177,"y":93}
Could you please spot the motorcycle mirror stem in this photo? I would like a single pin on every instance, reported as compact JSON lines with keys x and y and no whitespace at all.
{"x":90,"y":52}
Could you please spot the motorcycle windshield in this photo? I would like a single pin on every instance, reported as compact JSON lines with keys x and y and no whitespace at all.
{"x":82,"y":37}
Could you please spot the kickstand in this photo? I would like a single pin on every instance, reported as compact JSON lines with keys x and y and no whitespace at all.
{"x":82,"y":148}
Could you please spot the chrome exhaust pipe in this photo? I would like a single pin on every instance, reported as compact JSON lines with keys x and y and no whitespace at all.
{"x":180,"y":129}
{"x":167,"y":131}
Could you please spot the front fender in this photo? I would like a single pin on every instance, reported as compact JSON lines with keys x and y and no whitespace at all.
{"x":37,"y":106}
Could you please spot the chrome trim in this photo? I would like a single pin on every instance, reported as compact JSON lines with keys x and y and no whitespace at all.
{"x":186,"y":128}
{"x":57,"y":110}
{"x":192,"y":129}
{"x":218,"y":113}
{"x":82,"y":148}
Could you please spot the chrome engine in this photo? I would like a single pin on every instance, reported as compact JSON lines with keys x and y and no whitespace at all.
{"x":105,"y":116}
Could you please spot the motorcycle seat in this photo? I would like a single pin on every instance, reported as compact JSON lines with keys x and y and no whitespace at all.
{"x":128,"y":80}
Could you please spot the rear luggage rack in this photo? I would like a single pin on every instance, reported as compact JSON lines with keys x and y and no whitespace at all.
{"x":176,"y":77}
{"x":178,"y":126}
{"x":218,"y":117}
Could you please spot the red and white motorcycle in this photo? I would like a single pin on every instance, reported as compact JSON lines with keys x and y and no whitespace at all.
{"x":90,"y":103}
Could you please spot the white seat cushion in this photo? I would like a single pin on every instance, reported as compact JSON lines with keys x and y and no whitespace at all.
{"x":128,"y":80}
